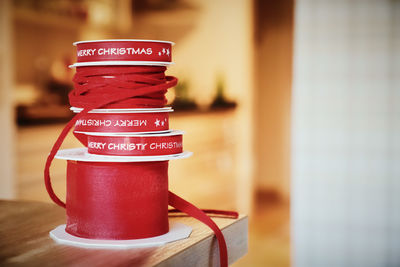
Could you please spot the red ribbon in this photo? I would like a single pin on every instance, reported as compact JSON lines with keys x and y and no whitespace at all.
{"x":120,"y":87}
{"x":123,"y":122}
{"x":114,"y":200}
{"x":128,"y":50}
{"x":141,"y":145}
{"x":124,"y":87}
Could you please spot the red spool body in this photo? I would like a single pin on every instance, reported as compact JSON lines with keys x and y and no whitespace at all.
{"x":117,"y":200}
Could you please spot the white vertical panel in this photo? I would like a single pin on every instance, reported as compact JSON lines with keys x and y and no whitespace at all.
{"x":346,"y":134}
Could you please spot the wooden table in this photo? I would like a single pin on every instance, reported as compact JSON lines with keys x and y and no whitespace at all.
{"x":25,"y":241}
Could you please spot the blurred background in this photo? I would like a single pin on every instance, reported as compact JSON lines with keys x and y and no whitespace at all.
{"x":291,"y":109}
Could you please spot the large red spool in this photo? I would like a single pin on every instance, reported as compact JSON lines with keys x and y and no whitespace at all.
{"x":117,"y":200}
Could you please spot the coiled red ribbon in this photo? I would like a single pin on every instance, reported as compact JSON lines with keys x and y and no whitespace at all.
{"x":115,"y":87}
{"x":120,"y":87}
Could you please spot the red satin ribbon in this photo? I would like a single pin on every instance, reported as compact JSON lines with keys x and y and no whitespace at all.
{"x":114,"y":200}
{"x":142,"y":145}
{"x":212,"y":213}
{"x":123,"y":122}
{"x":134,"y":50}
{"x":124,"y":87}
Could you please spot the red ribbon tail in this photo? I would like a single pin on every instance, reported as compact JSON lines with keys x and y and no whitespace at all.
{"x":191,"y":210}
{"x":53,"y":152}
{"x":213,"y":213}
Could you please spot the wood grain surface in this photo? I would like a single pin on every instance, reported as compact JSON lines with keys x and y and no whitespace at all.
{"x":25,"y":241}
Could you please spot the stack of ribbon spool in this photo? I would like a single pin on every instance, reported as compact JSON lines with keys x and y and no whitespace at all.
{"x":117,"y":186}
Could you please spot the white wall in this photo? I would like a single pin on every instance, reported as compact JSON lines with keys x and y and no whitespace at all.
{"x":346,"y":134}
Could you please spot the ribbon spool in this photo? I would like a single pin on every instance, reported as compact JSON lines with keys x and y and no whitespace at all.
{"x":117,"y":121}
{"x":123,"y":52}
{"x":116,"y":197}
{"x":117,"y":200}
{"x":135,"y":144}
{"x":124,"y":120}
